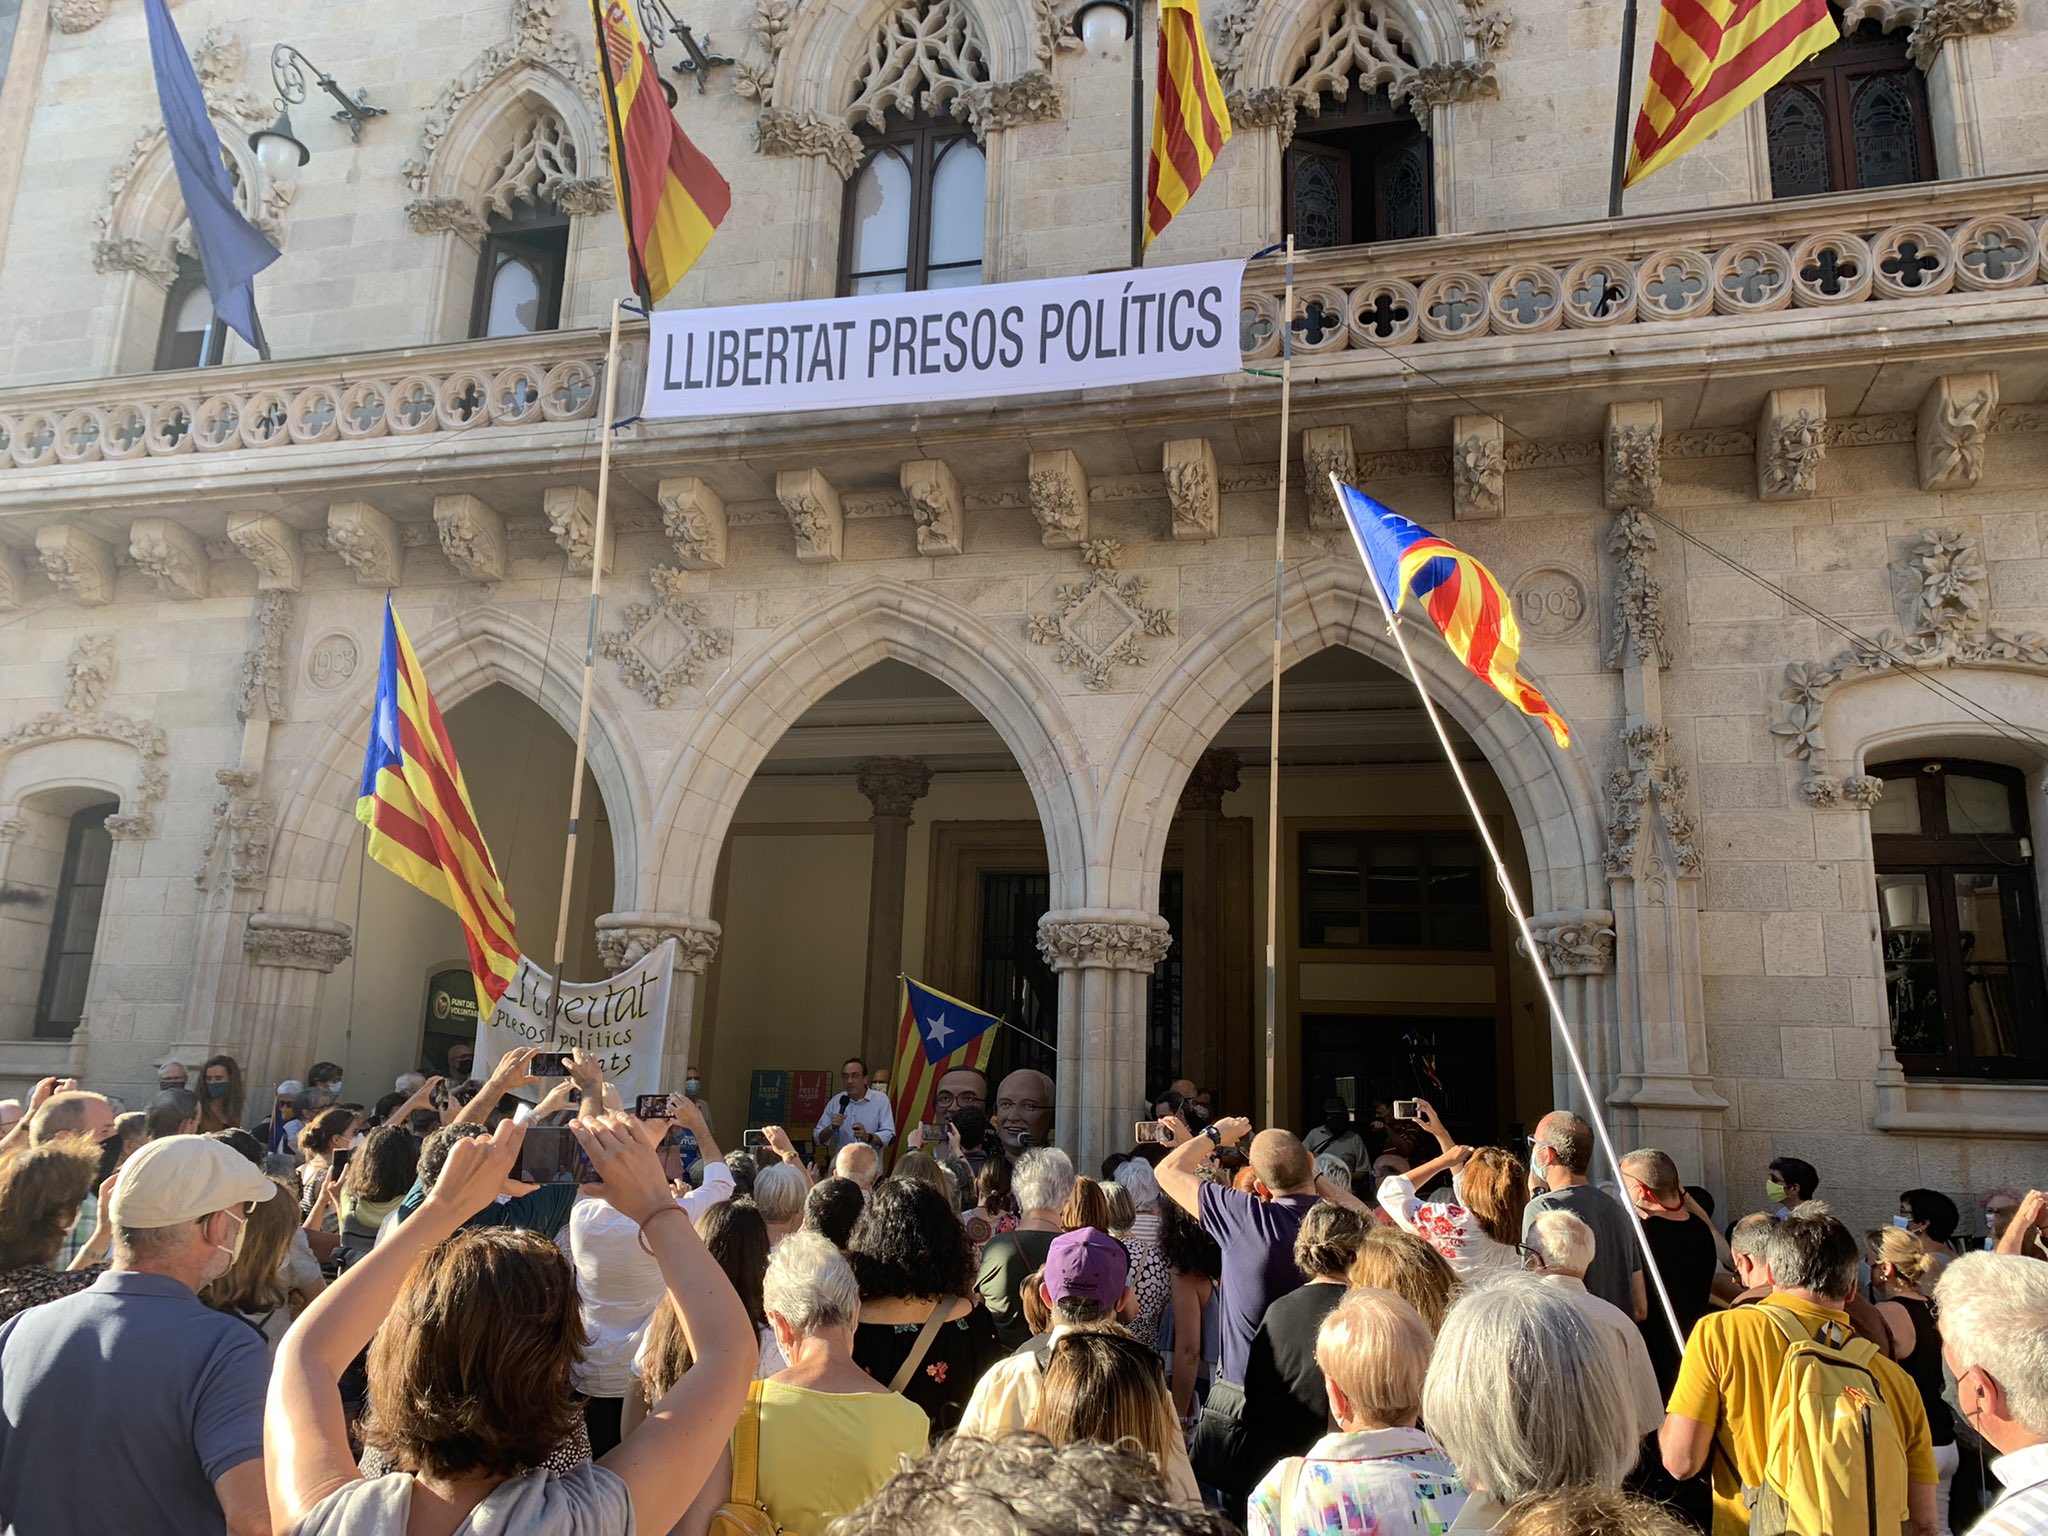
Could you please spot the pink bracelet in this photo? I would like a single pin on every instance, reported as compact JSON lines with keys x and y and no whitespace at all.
{"x":665,"y":1210}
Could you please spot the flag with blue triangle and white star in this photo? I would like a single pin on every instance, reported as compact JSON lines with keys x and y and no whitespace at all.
{"x":938,"y":1034}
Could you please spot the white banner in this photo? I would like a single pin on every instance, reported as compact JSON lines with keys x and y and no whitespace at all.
{"x":1135,"y":327}
{"x":624,"y":1020}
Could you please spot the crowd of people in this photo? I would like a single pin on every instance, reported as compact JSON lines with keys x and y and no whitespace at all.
{"x":463,"y":1310}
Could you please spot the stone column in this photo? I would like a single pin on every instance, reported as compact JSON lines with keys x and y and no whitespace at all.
{"x":627,"y":938}
{"x":893,"y":785}
{"x":1202,"y":1055}
{"x":278,"y":1017}
{"x":1103,"y":958}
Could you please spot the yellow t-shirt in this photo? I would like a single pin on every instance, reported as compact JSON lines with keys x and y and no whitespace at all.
{"x":824,"y":1454}
{"x":1730,"y":1369}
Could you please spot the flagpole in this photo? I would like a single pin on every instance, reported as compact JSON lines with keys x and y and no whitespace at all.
{"x":1273,"y":744}
{"x":1621,"y":104}
{"x":1514,"y":906}
{"x":1137,"y":133}
{"x":597,"y":563}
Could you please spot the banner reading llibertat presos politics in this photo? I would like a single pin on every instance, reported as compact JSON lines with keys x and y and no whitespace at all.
{"x":1141,"y":326}
{"x":623,"y":1019}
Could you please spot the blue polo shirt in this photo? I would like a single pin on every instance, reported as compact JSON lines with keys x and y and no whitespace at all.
{"x":120,"y":1405}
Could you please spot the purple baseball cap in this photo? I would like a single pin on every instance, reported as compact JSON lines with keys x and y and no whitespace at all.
{"x":1087,"y":1264}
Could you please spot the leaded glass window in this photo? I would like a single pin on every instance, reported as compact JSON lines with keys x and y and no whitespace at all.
{"x":1855,"y":116}
{"x":1357,"y":171}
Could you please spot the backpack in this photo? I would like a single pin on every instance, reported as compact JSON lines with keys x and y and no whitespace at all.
{"x":743,"y":1514}
{"x":1834,"y":1460}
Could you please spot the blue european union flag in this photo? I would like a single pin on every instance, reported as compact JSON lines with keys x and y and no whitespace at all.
{"x":231,"y":249}
{"x":944,"y":1024}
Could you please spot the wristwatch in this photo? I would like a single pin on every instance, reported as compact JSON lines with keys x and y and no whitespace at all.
{"x":1213,"y":1134}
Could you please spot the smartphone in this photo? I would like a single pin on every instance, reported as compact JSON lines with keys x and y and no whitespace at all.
{"x":753,"y":1139}
{"x":1404,"y":1109}
{"x":550,"y":1064}
{"x":550,"y":1154}
{"x":337,"y":1163}
{"x":1148,"y":1130}
{"x":929,"y":1130}
{"x":651,"y":1106}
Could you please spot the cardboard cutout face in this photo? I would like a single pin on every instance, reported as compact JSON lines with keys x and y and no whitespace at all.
{"x":1024,"y":1103}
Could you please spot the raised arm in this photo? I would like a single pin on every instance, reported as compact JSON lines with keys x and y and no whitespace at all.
{"x":1180,"y":1172}
{"x":508,"y":1074}
{"x":421,"y":1099}
{"x":17,"y":1133}
{"x":587,"y":1072}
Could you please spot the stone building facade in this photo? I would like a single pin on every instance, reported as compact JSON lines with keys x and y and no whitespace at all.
{"x":1762,"y":475}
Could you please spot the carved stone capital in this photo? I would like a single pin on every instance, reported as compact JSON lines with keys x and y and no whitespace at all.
{"x":171,"y":555}
{"x":583,"y":196}
{"x":1033,"y":97}
{"x":272,"y":546}
{"x":138,"y":256}
{"x":77,"y":15}
{"x":1791,"y":441}
{"x":1479,"y":468}
{"x":13,"y":829}
{"x":1270,"y":106}
{"x":1439,"y":85}
{"x":936,"y":505}
{"x":893,"y":785}
{"x":1059,"y":498}
{"x":1574,"y":943}
{"x":244,"y":829}
{"x":1096,"y":939}
{"x":444,"y":215}
{"x":296,"y":942}
{"x":472,"y":536}
{"x":1634,"y":458}
{"x":1953,"y":429}
{"x":367,"y":541}
{"x":80,"y":563}
{"x":1189,"y":465}
{"x":627,"y":938}
{"x":693,"y":517}
{"x":1941,"y":20}
{"x":1214,"y":775}
{"x":811,"y":503}
{"x":1327,"y":451}
{"x":572,"y":519}
{"x":781,"y":132}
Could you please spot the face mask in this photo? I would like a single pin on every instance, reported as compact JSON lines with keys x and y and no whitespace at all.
{"x":216,"y":1090}
{"x":224,"y":1253}
{"x":1990,"y":1243}
{"x":1773,"y":1190}
{"x":1903,"y":1223}
{"x":1863,"y":1274}
{"x":693,"y":1086}
{"x":1197,"y":1115}
{"x":333,"y":1088}
{"x":164,"y":1084}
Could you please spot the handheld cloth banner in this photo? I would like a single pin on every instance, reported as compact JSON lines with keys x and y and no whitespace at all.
{"x":937,"y":1034}
{"x":623,"y":1019}
{"x":1107,"y":328}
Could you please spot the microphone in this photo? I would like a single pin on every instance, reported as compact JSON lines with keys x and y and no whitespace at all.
{"x":1023,"y":1139}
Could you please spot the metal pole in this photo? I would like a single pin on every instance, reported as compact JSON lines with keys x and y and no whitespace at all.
{"x":1514,"y":905}
{"x":1273,"y":743}
{"x":597,"y":557}
{"x":1621,"y":105}
{"x":1137,"y":133}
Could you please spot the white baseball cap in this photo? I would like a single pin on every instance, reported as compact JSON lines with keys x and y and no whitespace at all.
{"x":177,"y":1179}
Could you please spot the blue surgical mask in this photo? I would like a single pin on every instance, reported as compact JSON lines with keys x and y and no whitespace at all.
{"x":693,"y":1086}
{"x":216,"y":1090}
{"x":1903,"y":1223}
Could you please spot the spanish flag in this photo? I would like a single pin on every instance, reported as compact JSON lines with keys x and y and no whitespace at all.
{"x":1190,"y":124}
{"x":670,"y":196}
{"x":1462,"y":598}
{"x":1713,"y":58}
{"x":422,"y":826}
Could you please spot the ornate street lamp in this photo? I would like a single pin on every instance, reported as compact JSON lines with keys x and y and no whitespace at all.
{"x":279,"y":150}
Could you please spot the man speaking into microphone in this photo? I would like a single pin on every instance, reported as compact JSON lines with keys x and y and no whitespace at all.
{"x":854,"y":1115}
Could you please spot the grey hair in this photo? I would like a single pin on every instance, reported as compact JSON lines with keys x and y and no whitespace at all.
{"x":1562,"y":1241}
{"x":154,"y":1243}
{"x":1811,"y":1250}
{"x":861,"y":1154}
{"x":1994,"y":1316}
{"x":1525,"y":1396}
{"x":810,"y":1286}
{"x":1751,"y":1236}
{"x":409,"y":1083}
{"x":1570,"y":1137}
{"x":780,"y":1191}
{"x":1024,"y":1485}
{"x":1121,"y":1211}
{"x":1655,"y":1170}
{"x":1042,"y":1179}
{"x":1135,"y":1174}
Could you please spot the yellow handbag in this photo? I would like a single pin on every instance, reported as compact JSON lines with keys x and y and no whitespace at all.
{"x":743,"y":1513}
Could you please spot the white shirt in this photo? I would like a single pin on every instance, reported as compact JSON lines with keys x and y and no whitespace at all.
{"x":619,"y":1282}
{"x":1626,"y":1341}
{"x":1450,"y":1229}
{"x":871,"y":1112}
{"x":2022,"y":1510}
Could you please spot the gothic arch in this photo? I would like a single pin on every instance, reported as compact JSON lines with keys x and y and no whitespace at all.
{"x":818,"y":64}
{"x":1556,"y":805}
{"x":1265,"y":43}
{"x":749,"y":709}
{"x":462,"y":657}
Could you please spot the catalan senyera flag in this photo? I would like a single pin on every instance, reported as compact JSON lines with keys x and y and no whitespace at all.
{"x":1190,"y":124}
{"x":1713,"y":58}
{"x":422,"y":826}
{"x":670,"y":196}
{"x":1462,"y":598}
{"x":938,"y":1034}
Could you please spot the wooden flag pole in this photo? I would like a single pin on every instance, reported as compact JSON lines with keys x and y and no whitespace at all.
{"x":1514,"y":905}
{"x":597,"y":559}
{"x":1273,"y":746}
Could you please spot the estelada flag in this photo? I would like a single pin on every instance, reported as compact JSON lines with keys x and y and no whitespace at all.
{"x":938,"y":1034}
{"x":1190,"y":124}
{"x":422,"y":826}
{"x":1713,"y":58}
{"x":1462,"y":598}
{"x":670,"y":196}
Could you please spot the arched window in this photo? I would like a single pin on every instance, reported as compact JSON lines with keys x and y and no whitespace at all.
{"x":75,"y":923}
{"x":525,"y":254}
{"x":191,"y":335}
{"x":1853,"y":116}
{"x":914,"y":212}
{"x":1961,"y":932}
{"x":1358,"y":167}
